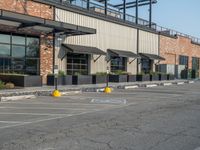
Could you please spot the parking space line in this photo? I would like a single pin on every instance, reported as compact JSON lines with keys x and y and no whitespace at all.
{"x":13,"y":122}
{"x":66,"y":116}
{"x":45,"y":108}
{"x":32,"y":114}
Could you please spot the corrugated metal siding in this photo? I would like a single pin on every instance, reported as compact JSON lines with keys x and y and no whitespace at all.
{"x":109,"y":35}
{"x":148,"y":43}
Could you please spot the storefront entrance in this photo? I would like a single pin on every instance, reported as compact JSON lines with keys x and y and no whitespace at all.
{"x":146,"y":65}
{"x":77,"y":64}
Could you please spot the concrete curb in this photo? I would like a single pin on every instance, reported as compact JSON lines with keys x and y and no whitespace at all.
{"x":166,"y":84}
{"x":150,"y":85}
{"x":14,"y":98}
{"x":70,"y":93}
{"x":180,"y":83}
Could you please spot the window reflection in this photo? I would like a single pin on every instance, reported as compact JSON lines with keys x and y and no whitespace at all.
{"x":19,"y":54}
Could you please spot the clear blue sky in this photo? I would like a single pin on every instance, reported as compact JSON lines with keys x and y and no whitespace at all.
{"x":180,"y":15}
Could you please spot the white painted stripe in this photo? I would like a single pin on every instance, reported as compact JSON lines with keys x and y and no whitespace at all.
{"x":131,"y":87}
{"x":32,"y":114}
{"x":45,"y":108}
{"x":180,"y":83}
{"x":70,"y":92}
{"x":13,"y":122}
{"x":14,"y":98}
{"x":166,"y":84}
{"x":151,"y":85}
{"x":190,"y":82}
{"x":66,"y":116}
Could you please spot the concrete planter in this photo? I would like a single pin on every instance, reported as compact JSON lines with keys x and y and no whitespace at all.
{"x":97,"y":79}
{"x":62,"y":80}
{"x":22,"y":80}
{"x":145,"y":77}
{"x":131,"y":78}
{"x":170,"y":77}
{"x":162,"y":77}
{"x":154,"y":77}
{"x":81,"y":79}
{"x":117,"y":78}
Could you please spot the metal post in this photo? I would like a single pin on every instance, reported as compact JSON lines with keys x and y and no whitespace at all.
{"x":150,"y":13}
{"x":136,"y":12}
{"x":124,"y":10}
{"x":88,"y":4}
{"x":56,"y":82}
{"x":106,"y":7}
{"x":107,"y":79}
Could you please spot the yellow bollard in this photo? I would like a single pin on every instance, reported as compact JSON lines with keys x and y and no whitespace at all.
{"x":56,"y":93}
{"x":107,"y":90}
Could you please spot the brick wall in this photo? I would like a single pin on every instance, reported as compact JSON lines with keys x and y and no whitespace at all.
{"x":28,"y":7}
{"x":171,"y":48}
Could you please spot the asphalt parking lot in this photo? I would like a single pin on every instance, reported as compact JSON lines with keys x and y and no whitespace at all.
{"x":159,"y":118}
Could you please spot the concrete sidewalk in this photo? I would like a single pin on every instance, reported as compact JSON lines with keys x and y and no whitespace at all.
{"x":46,"y":90}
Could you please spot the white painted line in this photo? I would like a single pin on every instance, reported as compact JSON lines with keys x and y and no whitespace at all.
{"x":190,"y":82}
{"x":70,"y":92}
{"x":109,"y":101}
{"x":166,"y":84}
{"x":14,"y":98}
{"x":150,"y":85}
{"x":32,"y":114}
{"x":65,"y":116}
{"x":44,"y":108}
{"x":180,"y":83}
{"x":100,"y":90}
{"x":131,"y":87}
{"x":13,"y":122}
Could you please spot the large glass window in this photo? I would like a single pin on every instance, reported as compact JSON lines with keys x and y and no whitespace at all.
{"x":19,"y":54}
{"x":183,"y":60}
{"x":18,"y":51}
{"x":118,"y":63}
{"x":32,"y":47}
{"x":77,"y":64}
{"x":146,"y":65}
{"x":4,"y":38}
{"x":195,"y":63}
{"x":4,"y":50}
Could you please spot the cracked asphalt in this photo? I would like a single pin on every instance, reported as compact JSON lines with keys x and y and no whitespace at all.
{"x":159,"y":118}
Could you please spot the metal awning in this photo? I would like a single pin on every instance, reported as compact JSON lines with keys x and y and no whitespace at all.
{"x":21,"y":21}
{"x":82,"y":49}
{"x":151,"y":56}
{"x":120,"y":53}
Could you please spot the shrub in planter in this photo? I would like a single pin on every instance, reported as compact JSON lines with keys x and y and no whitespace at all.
{"x":2,"y":85}
{"x":22,"y":80}
{"x":143,"y":77}
{"x":170,"y":77}
{"x":154,"y":76}
{"x":99,"y":77}
{"x":61,"y":80}
{"x":118,"y":76}
{"x":81,"y":79}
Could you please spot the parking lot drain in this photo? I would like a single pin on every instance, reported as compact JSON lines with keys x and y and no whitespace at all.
{"x":109,"y":101}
